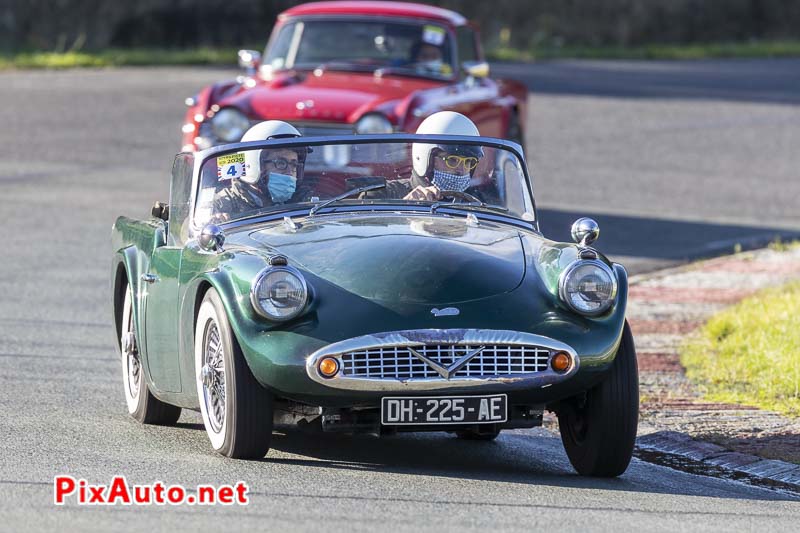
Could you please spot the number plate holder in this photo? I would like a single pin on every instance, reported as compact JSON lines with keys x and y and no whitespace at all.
{"x":443,"y":410}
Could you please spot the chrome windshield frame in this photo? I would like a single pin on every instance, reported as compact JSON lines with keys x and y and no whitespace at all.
{"x":203,"y":156}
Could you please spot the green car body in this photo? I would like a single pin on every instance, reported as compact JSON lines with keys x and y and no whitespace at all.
{"x":515,"y":298}
{"x":374,"y":273}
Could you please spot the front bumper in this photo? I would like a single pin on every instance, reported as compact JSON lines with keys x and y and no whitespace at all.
{"x":285,"y":362}
{"x":434,"y":360}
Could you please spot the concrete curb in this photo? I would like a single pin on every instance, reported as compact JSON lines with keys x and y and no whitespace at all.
{"x":705,"y":458}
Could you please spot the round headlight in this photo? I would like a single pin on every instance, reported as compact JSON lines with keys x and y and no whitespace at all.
{"x":373,"y":123}
{"x":229,"y":125}
{"x":279,"y":293}
{"x":588,"y":287}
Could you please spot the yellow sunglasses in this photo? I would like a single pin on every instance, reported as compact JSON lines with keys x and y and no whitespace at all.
{"x":452,"y":161}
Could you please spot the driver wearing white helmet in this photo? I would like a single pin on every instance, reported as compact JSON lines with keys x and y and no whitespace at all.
{"x":439,"y":168}
{"x":270,"y":176}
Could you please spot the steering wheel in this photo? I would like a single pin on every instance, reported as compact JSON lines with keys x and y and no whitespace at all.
{"x":459,"y":195}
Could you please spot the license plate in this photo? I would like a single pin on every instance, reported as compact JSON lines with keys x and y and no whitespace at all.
{"x":443,"y":410}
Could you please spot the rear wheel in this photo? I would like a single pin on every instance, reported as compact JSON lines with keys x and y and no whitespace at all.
{"x":237,"y":411}
{"x":599,"y":432}
{"x":142,"y":405}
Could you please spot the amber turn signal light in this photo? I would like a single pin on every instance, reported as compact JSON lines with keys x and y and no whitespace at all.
{"x":561,"y":362}
{"x":328,"y":367}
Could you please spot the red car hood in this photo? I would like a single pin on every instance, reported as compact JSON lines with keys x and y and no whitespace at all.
{"x":330,"y":96}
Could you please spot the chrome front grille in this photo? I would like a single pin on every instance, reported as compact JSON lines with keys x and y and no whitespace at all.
{"x":399,"y":362}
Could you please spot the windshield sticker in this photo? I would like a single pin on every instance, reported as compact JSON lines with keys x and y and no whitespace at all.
{"x":230,"y":166}
{"x":433,"y":35}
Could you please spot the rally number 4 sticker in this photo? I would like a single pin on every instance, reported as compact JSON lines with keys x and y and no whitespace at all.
{"x":230,"y":166}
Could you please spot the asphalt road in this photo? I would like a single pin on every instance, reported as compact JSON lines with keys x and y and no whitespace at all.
{"x":78,"y":148}
{"x":675,"y":160}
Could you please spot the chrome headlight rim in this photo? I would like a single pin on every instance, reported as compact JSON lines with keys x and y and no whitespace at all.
{"x":564,"y":277}
{"x":254,"y":301}
{"x":221,"y":116}
{"x":387,"y":126}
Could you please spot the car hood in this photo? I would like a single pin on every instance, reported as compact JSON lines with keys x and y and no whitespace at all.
{"x":410,"y":259}
{"x":329,"y":96}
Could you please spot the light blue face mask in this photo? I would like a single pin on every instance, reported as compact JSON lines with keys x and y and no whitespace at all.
{"x":281,"y":187}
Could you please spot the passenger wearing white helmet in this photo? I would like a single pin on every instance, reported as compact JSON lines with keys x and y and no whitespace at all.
{"x":270,"y":176}
{"x":439,"y":167}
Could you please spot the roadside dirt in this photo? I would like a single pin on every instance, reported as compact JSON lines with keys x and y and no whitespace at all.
{"x":666,"y":307}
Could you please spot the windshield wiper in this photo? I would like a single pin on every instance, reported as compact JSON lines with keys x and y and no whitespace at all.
{"x":343,"y":65}
{"x":472,"y":201}
{"x":345,"y":195}
{"x":408,"y":70}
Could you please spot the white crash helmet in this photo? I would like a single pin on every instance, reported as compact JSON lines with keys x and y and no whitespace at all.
{"x":443,"y":123}
{"x":263,"y":131}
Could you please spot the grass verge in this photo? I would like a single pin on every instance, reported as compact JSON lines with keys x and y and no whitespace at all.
{"x":227,"y":56}
{"x":750,"y":353}
{"x":750,"y":49}
{"x":119,"y":57}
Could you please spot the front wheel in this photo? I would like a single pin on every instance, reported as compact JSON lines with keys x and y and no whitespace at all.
{"x":599,"y":431}
{"x":236,"y":409}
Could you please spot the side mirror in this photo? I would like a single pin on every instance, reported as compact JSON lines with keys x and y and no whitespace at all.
{"x":475,"y":69}
{"x":211,"y":238}
{"x":249,"y":60}
{"x":160,"y":211}
{"x":585,"y":231}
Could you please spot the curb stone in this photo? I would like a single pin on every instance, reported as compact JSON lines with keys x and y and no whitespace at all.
{"x":754,"y":469}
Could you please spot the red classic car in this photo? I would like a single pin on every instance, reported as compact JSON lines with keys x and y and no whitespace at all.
{"x":365,"y":67}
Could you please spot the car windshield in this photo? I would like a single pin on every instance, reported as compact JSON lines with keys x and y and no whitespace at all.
{"x":406,"y":47}
{"x":281,"y":175}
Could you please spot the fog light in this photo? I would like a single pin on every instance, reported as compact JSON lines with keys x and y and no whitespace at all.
{"x":561,"y":362}
{"x":328,"y":367}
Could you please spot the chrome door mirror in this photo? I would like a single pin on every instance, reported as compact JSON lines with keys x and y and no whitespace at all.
{"x":211,"y":238}
{"x":475,"y":69}
{"x":249,"y":60}
{"x":585,"y":231}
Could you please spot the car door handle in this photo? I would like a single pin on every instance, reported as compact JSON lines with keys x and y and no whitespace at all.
{"x":149,"y":278}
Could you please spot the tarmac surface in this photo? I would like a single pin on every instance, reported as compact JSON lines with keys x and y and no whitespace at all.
{"x":675,"y":159}
{"x":668,"y":175}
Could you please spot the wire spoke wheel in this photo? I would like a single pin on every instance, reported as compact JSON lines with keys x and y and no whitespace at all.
{"x":131,"y":358}
{"x":131,"y":362}
{"x":141,"y":403}
{"x":236,"y":409}
{"x":213,"y":374}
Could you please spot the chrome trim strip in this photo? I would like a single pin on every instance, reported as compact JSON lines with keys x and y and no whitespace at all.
{"x":459,"y":337}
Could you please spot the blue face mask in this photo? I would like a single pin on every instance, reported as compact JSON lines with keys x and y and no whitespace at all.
{"x":281,"y":187}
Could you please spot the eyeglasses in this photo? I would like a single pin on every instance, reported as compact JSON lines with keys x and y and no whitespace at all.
{"x":282,"y":164}
{"x":452,"y":161}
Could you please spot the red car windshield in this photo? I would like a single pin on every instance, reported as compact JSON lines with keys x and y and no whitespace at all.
{"x":346,"y":44}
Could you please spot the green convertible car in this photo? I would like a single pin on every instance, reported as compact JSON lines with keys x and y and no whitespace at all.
{"x":326,"y":282}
